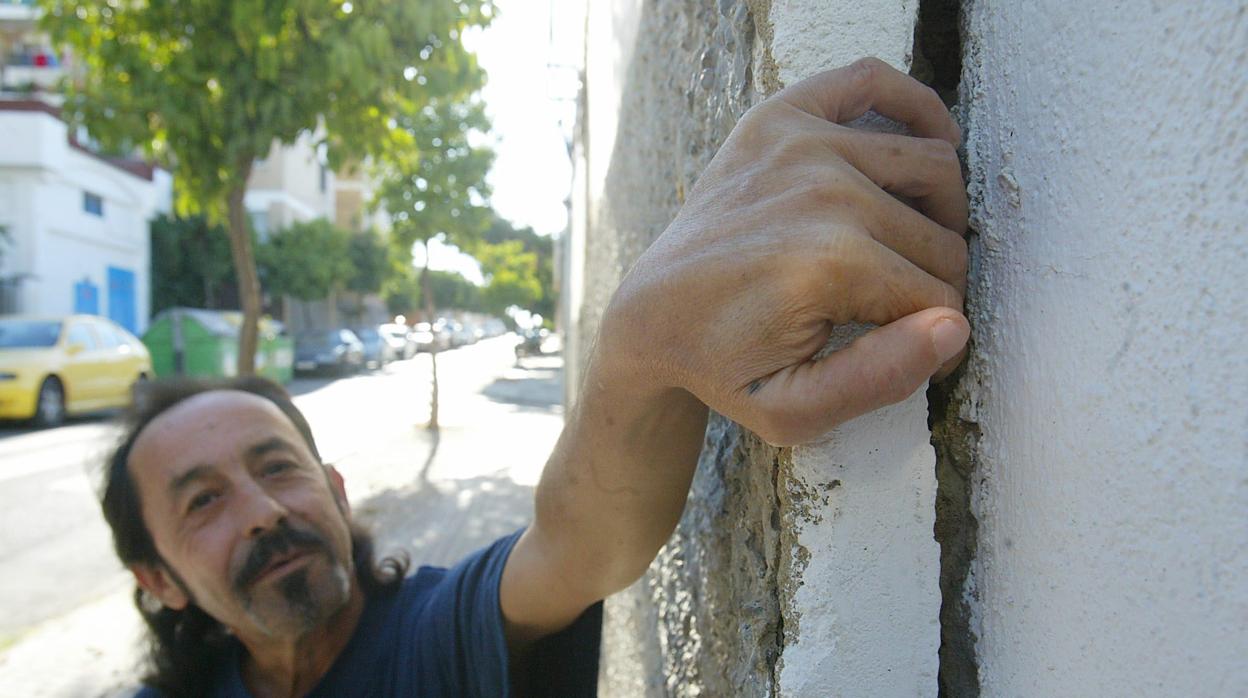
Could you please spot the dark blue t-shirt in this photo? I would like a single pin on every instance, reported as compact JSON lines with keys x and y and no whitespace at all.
{"x":441,"y":634}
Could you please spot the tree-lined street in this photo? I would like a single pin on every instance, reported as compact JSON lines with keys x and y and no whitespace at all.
{"x":66,"y":625}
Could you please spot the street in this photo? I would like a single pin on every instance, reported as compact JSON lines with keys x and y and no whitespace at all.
{"x":66,"y":624}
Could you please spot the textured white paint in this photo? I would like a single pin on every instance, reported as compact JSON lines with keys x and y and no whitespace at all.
{"x":862,"y":619}
{"x":1108,"y":147}
{"x":867,"y":609}
{"x":813,"y":35}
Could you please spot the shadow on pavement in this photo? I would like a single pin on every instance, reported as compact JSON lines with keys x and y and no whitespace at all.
{"x":540,"y":388}
{"x":439,"y":523}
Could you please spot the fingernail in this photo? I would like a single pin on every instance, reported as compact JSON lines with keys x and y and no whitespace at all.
{"x":948,"y":338}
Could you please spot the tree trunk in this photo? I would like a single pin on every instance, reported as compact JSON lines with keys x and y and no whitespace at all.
{"x":426,"y":294}
{"x":245,"y":270}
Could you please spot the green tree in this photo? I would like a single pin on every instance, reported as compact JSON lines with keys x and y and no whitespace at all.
{"x":369,"y":257}
{"x":511,"y":276}
{"x":401,"y":293}
{"x":191,"y":264}
{"x":437,"y":190}
{"x":307,"y":260}
{"x":454,"y":292}
{"x":206,"y":87}
{"x":542,"y":246}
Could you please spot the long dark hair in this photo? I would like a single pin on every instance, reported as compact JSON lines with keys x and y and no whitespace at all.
{"x":186,"y":647}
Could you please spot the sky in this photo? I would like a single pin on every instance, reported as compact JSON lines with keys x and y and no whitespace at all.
{"x":525,"y":98}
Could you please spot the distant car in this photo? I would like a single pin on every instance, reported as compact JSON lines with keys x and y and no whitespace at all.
{"x":379,"y":347}
{"x":495,"y":327}
{"x":54,"y":367}
{"x":338,"y":350}
{"x":532,"y":342}
{"x":403,"y":339}
{"x":461,"y":334}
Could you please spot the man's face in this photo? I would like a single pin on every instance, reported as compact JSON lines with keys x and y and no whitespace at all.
{"x":249,"y":525}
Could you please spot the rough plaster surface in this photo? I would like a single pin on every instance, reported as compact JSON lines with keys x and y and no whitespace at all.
{"x":1109,"y":162}
{"x":665,"y":83}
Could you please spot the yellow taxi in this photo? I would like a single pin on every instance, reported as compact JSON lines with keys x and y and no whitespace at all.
{"x":53,"y":367}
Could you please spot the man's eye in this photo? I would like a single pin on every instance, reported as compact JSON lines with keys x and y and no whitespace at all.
{"x":277,"y":467}
{"x":200,"y":501}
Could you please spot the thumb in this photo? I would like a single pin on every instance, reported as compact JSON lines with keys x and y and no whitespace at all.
{"x":882,"y":367}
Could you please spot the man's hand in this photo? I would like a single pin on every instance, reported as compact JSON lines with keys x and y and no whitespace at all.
{"x":797,"y":225}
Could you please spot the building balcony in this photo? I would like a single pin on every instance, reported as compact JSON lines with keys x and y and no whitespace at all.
{"x":23,"y":78}
{"x":18,"y":12}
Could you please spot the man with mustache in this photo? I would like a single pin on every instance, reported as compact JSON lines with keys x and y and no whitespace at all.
{"x":254,"y":582}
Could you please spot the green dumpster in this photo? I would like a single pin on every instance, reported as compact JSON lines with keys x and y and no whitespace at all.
{"x":196,"y":342}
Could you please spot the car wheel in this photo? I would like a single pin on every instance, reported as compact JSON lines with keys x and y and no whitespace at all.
{"x":50,"y":407}
{"x":137,"y":386}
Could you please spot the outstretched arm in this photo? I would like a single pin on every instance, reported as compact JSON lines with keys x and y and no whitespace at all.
{"x":797,"y":225}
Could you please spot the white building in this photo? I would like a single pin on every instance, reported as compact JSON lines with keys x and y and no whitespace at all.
{"x":77,"y":223}
{"x":291,"y":184}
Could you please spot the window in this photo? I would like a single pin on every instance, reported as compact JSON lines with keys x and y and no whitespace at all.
{"x":109,"y":338}
{"x":259,"y":224}
{"x":92,"y":203}
{"x":79,"y":334}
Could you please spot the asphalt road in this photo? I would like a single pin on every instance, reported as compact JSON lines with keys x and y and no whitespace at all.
{"x":55,"y":551}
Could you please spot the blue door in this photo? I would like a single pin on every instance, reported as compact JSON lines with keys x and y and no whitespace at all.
{"x":86,"y":298}
{"x":121,"y":306}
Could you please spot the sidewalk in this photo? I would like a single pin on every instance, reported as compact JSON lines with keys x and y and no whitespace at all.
{"x":479,"y":474}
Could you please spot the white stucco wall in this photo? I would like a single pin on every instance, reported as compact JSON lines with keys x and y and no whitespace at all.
{"x":53,"y":240}
{"x":1108,"y":157}
{"x":864,"y":608}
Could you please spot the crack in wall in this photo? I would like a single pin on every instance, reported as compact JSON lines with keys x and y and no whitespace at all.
{"x":955,"y":438}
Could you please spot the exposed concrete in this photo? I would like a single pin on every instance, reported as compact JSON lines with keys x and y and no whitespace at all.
{"x":938,"y":63}
{"x":1108,"y":155}
{"x":665,"y":83}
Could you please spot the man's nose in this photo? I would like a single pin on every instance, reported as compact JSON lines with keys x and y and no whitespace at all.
{"x":260,"y":512}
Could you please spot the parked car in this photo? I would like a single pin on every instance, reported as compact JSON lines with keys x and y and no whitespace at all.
{"x":495,"y":327}
{"x":431,"y":337}
{"x":53,"y":367}
{"x":461,"y":334}
{"x":338,"y":350}
{"x":533,"y":342}
{"x":379,"y":347}
{"x":403,"y":339}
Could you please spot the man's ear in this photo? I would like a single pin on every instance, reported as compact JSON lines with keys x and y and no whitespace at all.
{"x":339,"y":488}
{"x":157,"y":581}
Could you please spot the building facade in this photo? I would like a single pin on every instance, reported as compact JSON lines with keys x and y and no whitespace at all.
{"x":77,"y":223}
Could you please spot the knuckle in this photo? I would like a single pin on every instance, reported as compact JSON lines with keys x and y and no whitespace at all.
{"x":951,"y":297}
{"x":827,"y":191}
{"x":867,"y":66}
{"x":865,"y":71}
{"x":941,"y":153}
{"x":961,"y":262}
